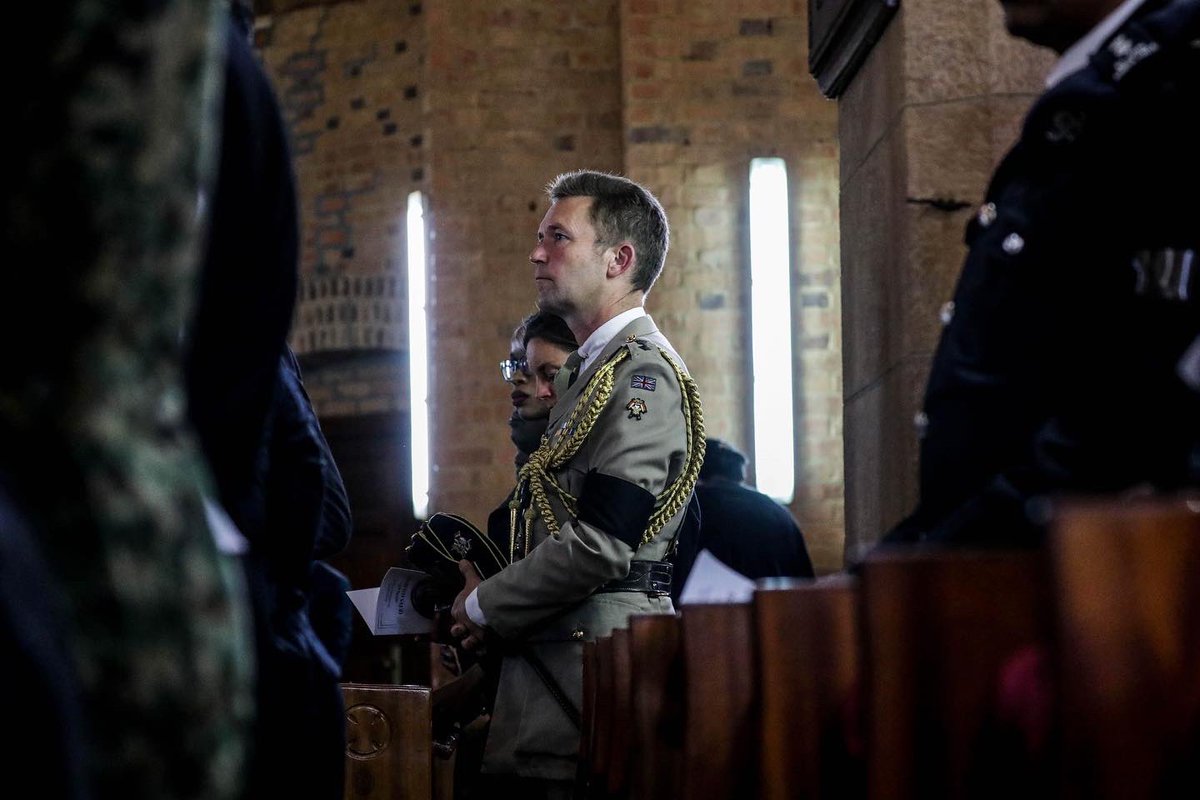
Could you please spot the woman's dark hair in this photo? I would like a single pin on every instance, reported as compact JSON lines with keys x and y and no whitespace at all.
{"x":549,"y":328}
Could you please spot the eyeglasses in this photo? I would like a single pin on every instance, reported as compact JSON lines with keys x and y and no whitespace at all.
{"x":510,"y":366}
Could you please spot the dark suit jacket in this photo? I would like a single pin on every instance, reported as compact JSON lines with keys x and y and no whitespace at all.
{"x":747,"y":531}
{"x":1057,"y":370}
{"x":272,"y":466}
{"x":248,"y":284}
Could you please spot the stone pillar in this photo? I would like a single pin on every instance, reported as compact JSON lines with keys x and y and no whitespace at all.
{"x":936,"y":105}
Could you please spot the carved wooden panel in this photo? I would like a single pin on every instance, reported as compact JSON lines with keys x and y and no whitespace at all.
{"x":389,"y":741}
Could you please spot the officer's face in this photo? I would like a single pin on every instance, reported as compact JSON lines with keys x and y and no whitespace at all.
{"x":545,"y":360}
{"x":568,"y":266}
{"x":1056,"y":24}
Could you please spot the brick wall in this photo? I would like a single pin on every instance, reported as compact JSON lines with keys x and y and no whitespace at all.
{"x":481,"y":106}
{"x":519,"y":91}
{"x":349,"y":80}
{"x":708,"y":86}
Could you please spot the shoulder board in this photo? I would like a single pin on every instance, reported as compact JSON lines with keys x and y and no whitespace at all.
{"x":636,"y":343}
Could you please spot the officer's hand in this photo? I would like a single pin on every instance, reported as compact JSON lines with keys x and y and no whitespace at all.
{"x":469,"y":634}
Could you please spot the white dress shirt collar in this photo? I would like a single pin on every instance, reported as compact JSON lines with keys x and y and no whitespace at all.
{"x":595,"y":344}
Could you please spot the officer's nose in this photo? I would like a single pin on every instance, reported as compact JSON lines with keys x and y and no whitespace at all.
{"x":538,"y":254}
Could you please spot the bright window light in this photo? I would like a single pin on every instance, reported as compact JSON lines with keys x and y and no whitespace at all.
{"x":771,"y":328}
{"x":418,"y":356}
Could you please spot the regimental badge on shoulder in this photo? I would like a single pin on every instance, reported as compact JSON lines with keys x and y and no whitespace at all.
{"x":643,"y":382}
{"x":636,"y":407}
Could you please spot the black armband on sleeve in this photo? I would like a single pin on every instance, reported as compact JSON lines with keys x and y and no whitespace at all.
{"x":619,"y":508}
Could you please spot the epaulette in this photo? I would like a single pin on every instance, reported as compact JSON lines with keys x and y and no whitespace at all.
{"x":635,"y":343}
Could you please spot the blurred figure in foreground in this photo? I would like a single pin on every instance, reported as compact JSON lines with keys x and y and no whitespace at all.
{"x":114,"y":133}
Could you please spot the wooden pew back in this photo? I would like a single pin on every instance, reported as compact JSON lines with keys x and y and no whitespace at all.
{"x":389,"y":741}
{"x":1128,"y":583}
{"x":940,"y":629}
{"x":600,"y":751}
{"x":621,"y":721}
{"x":587,"y":719}
{"x":657,"y":706}
{"x":720,"y":739}
{"x":808,"y":657}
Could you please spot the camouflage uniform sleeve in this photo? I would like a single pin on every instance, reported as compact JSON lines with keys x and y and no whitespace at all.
{"x":637,"y":447}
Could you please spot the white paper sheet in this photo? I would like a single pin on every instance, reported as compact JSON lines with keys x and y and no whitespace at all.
{"x":711,"y":581}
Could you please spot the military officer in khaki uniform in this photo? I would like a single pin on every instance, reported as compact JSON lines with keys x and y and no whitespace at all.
{"x":600,"y":503}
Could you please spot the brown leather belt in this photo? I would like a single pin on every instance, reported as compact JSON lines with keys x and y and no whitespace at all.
{"x":647,"y":577}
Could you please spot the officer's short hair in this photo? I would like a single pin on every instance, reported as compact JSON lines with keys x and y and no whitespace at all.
{"x":549,"y":328}
{"x":722,"y":460}
{"x":621,"y":209}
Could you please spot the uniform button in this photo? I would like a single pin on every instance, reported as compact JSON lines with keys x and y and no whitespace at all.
{"x":921,"y":423}
{"x":1013,"y":244}
{"x":947,"y":312}
{"x":577,"y":634}
{"x":987,"y":214}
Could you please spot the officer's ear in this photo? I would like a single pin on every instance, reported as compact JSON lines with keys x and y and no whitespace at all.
{"x":622,"y":261}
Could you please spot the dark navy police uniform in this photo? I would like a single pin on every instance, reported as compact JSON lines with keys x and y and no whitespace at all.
{"x":1058,"y":371}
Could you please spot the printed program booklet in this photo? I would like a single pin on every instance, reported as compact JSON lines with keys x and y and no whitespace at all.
{"x":402,"y":604}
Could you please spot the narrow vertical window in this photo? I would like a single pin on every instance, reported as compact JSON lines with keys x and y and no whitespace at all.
{"x":418,"y":356}
{"x":771,"y":328}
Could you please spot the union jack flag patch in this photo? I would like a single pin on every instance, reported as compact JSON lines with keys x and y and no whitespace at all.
{"x":643,"y":382}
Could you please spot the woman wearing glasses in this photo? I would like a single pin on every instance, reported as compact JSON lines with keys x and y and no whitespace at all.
{"x":540,"y":345}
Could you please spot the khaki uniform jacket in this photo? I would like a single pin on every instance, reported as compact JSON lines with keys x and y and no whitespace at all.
{"x":547,"y":599}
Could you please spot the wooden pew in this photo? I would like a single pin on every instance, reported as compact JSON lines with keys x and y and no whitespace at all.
{"x":620,"y":739}
{"x":389,"y":741}
{"x":657,"y":706}
{"x":587,"y":720}
{"x":605,"y":748}
{"x":809,"y":673}
{"x":940,"y":632}
{"x":401,"y":741}
{"x":600,"y":740}
{"x":1128,"y":585}
{"x":720,"y":735}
